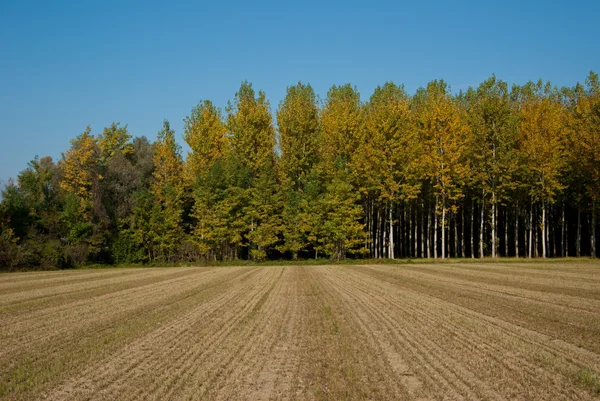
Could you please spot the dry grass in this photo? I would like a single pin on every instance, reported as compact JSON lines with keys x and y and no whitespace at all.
{"x":426,"y":331}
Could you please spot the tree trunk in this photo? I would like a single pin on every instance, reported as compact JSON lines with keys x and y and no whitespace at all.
{"x":493,"y":225}
{"x":410,"y":233}
{"x":455,"y":236}
{"x":422,"y":229}
{"x":428,"y":231}
{"x":536,"y":235}
{"x":566,"y":238}
{"x":552,"y":228}
{"x":506,"y":232}
{"x":544,"y":230}
{"x":462,"y":231}
{"x":517,"y":230}
{"x":368,"y":225}
{"x":472,"y":232}
{"x":435,"y":228}
{"x":481,"y":229}
{"x":593,"y":229}
{"x":443,"y":228}
{"x":578,"y":243}
{"x":391,"y":249}
{"x":531,"y":229}
{"x":377,"y":229}
{"x":380,"y":220}
{"x":562,"y":232}
{"x":416,"y":230}
{"x":401,"y":224}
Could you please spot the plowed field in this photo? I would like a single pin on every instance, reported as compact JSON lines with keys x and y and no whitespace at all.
{"x":471,"y":331}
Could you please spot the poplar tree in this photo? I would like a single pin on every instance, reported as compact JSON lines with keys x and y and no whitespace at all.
{"x":585,"y":146}
{"x":84,"y":212}
{"x":250,"y":123}
{"x":442,"y":132}
{"x":114,"y":139}
{"x":541,"y":133}
{"x":205,"y":134}
{"x":492,"y":144}
{"x":341,"y":121}
{"x":167,"y":190}
{"x":299,"y":141}
{"x":385,"y":158}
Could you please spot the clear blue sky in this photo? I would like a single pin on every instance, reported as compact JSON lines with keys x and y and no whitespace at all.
{"x":67,"y":64}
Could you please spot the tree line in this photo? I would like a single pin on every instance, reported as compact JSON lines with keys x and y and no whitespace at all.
{"x":490,"y":171}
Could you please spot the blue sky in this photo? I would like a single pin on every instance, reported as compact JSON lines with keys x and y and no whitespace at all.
{"x":67,"y":64}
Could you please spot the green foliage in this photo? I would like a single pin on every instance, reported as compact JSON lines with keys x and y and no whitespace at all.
{"x":339,"y":232}
{"x":10,"y":253}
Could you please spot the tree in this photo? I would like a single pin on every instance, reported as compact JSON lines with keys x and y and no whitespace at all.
{"x":127,"y":179}
{"x":250,"y":123}
{"x":113,"y":140}
{"x":252,"y":145}
{"x":493,"y":141}
{"x":541,"y":141}
{"x":384,"y":162}
{"x":442,"y":132}
{"x":299,"y":140}
{"x":84,"y":212}
{"x":221,"y":198}
{"x":341,"y":120}
{"x":584,"y":145}
{"x":263,"y":213}
{"x":167,"y":190}
{"x":299,"y":134}
{"x":340,"y":231}
{"x":205,"y":133}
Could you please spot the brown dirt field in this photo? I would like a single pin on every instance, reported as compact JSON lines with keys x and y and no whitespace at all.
{"x":473,"y":331}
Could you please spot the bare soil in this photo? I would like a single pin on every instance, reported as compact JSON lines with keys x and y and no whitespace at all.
{"x":449,"y":331}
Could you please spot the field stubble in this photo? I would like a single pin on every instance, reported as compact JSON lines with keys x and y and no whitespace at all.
{"x":451,"y":331}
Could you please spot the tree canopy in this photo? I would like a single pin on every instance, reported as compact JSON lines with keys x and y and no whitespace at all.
{"x":491,"y":171}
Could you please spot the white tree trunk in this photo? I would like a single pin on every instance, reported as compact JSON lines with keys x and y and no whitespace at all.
{"x":544,"y":230}
{"x":428,"y":231}
{"x":531,"y":229}
{"x":462,"y":232}
{"x":422,"y":230}
{"x":472,"y":232}
{"x":391,"y":249}
{"x":493,"y":225}
{"x":517,"y":230}
{"x":505,"y":232}
{"x":455,"y":236}
{"x":416,"y":230}
{"x":593,"y":228}
{"x":435,"y":228}
{"x":410,"y":231}
{"x":481,"y":229}
{"x":378,"y":229}
{"x":443,"y":228}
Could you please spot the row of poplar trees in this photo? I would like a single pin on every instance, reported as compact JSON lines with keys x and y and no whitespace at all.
{"x":491,"y":171}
